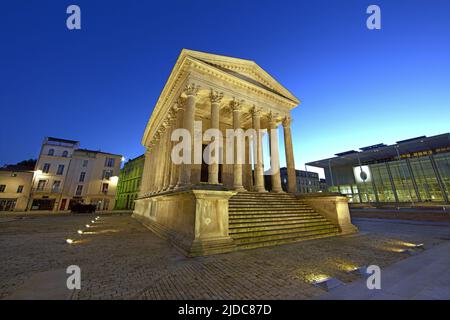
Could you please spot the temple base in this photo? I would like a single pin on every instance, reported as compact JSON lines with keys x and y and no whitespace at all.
{"x":193,"y":220}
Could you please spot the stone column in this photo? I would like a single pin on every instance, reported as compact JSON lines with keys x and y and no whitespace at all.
{"x":259,"y":168}
{"x":178,"y":115}
{"x":160,"y":157}
{"x":167,"y":150}
{"x":152,"y":166}
{"x":235,"y":106}
{"x":213,"y":168}
{"x":290,"y":164}
{"x":248,"y":181}
{"x":145,"y":183}
{"x":188,"y":123}
{"x":274,"y":156}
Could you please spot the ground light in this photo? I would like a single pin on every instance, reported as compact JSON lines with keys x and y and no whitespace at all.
{"x":328,"y":284}
{"x":361,"y":271}
{"x":323,"y":281}
{"x":92,"y":221}
{"x":80,"y":231}
{"x":88,"y":226}
{"x":69,"y":241}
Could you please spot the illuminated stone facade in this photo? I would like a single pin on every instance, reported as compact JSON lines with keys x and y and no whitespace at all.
{"x":188,"y":203}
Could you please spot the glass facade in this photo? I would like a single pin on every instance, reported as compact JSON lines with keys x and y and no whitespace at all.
{"x":423,"y":177}
{"x":443,"y":167}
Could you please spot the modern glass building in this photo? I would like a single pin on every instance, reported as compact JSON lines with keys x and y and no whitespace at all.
{"x":412,"y":171}
{"x":129,"y":183}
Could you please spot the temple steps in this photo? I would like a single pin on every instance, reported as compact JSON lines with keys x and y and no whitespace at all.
{"x":275,"y":227}
{"x":271,"y":215}
{"x":245,"y":223}
{"x":269,"y":219}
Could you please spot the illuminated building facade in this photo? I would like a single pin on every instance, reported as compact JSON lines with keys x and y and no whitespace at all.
{"x":66,"y":174}
{"x":411,"y":171}
{"x":129,"y":183}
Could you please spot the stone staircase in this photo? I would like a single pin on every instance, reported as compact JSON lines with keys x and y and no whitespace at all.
{"x":269,"y":219}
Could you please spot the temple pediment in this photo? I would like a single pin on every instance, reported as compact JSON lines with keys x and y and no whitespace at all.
{"x":246,"y":70}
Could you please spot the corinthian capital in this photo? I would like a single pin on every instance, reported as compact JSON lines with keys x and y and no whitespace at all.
{"x":273,"y":119}
{"x":286,"y":122}
{"x":191,"y":89}
{"x":179,"y":104}
{"x":236,"y":105}
{"x":256,"y":111}
{"x":215,"y":96}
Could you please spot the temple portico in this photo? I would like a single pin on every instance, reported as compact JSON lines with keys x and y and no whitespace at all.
{"x":215,"y":110}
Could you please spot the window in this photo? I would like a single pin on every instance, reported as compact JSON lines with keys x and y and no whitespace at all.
{"x":82,"y":175}
{"x":65,"y":154}
{"x":107,"y":174}
{"x":79,"y":190}
{"x":105,"y":188}
{"x":46,"y":168}
{"x":41,"y":185}
{"x":109,"y":162}
{"x":2,"y":187}
{"x":85,"y":163}
{"x":56,"y":185}
{"x":19,"y":189}
{"x":51,"y":152}
{"x":60,"y":169}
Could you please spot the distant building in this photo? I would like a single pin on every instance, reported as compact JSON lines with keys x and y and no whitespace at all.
{"x":65,"y":175}
{"x":323,"y":186}
{"x":15,"y":184}
{"x":129,"y":183}
{"x":307,"y":181}
{"x":412,"y":171}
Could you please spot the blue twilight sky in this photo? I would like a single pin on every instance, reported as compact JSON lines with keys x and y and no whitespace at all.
{"x":99,"y":85}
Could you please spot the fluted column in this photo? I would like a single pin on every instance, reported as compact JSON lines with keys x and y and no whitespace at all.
{"x":167,"y":150}
{"x":248,"y":181}
{"x":145,"y":183}
{"x":235,"y":106}
{"x":160,"y":157}
{"x":258,"y":153}
{"x":290,"y":163}
{"x":213,"y":168}
{"x":178,"y":115}
{"x":152,"y":172}
{"x":188,"y":123}
{"x":274,"y":154}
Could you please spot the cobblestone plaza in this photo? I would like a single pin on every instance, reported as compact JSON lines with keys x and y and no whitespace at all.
{"x":120,"y":259}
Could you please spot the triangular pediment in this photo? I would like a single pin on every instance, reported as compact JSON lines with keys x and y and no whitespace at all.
{"x":243,"y":69}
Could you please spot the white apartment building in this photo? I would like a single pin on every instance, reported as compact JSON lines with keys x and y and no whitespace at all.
{"x":65,"y":175}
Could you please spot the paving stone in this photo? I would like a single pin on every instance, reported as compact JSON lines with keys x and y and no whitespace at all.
{"x":121,"y":259}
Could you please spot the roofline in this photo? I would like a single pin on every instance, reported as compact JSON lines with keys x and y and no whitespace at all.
{"x":324,"y":163}
{"x":97,"y":151}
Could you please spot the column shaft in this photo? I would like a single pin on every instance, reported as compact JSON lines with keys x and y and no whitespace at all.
{"x":274,"y":156}
{"x":290,"y":164}
{"x":213,"y":168}
{"x":258,"y":153}
{"x":188,"y":124}
{"x":237,"y":166}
